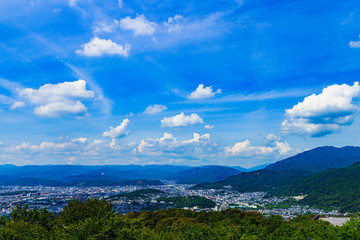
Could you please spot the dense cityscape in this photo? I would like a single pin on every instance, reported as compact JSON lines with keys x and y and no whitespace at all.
{"x":55,"y":199}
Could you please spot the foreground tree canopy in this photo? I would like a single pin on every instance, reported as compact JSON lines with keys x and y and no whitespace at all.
{"x":95,"y":219}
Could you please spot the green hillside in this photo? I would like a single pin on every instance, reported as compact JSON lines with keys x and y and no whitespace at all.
{"x":95,"y":219}
{"x":331,"y":188}
{"x":261,"y":180}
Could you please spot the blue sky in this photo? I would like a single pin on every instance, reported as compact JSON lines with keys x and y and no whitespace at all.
{"x":234,"y":82}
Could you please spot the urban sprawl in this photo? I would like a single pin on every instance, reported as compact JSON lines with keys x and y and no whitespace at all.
{"x":55,"y":199}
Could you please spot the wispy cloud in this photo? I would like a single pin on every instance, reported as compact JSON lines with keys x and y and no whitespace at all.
{"x":275,"y":94}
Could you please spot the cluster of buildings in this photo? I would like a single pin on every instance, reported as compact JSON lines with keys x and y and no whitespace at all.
{"x":55,"y":199}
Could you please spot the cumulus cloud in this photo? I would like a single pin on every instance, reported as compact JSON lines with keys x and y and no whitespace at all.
{"x":158,"y":144}
{"x":181,"y":120}
{"x":274,"y":147}
{"x":167,"y":137}
{"x":119,"y":131}
{"x":322,"y":114}
{"x":17,"y":104}
{"x":209,"y":126}
{"x":202,"y":92}
{"x":198,"y":138}
{"x":139,"y":25}
{"x":354,"y":44}
{"x":55,"y":100}
{"x":60,"y":109}
{"x":153,"y":109}
{"x":169,"y":146}
{"x":99,"y":47}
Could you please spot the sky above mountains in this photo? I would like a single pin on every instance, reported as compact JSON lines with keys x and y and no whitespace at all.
{"x":234,"y":82}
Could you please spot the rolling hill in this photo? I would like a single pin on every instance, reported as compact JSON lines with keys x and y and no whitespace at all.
{"x":290,"y":169}
{"x":109,"y":175}
{"x":332,"y":188}
{"x":261,"y":180}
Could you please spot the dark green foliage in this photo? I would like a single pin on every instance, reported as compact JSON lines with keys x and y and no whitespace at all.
{"x":192,"y":201}
{"x":78,"y":210}
{"x":261,"y":180}
{"x":332,"y":188}
{"x":94,"y":219}
{"x":43,"y":217}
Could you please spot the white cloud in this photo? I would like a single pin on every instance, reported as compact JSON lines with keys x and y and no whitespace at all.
{"x":354,"y":44}
{"x":50,"y":146}
{"x":169,"y":146}
{"x":99,"y":47}
{"x":17,"y":105}
{"x":61,"y":147}
{"x":57,"y":92}
{"x":273,"y":148}
{"x":174,"y":23}
{"x":167,"y":137}
{"x":153,"y":109}
{"x":209,"y":126}
{"x":202,"y":92}
{"x":97,"y":142}
{"x":143,"y":144}
{"x":72,"y":3}
{"x":59,"y":109}
{"x":139,"y":25}
{"x":119,"y":131}
{"x":198,"y":138}
{"x":272,"y":138}
{"x":79,"y":140}
{"x":181,"y":120}
{"x":182,"y":30}
{"x":55,"y":100}
{"x":105,"y":27}
{"x":323,"y":114}
{"x":121,"y":4}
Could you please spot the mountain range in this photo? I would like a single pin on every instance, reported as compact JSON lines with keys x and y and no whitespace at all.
{"x":327,"y":177}
{"x":111,"y":175}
